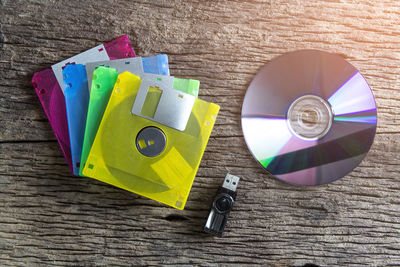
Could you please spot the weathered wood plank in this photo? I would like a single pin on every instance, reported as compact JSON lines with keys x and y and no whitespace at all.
{"x":49,"y":217}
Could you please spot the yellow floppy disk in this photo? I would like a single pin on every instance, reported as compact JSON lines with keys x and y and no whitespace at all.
{"x":151,"y":138}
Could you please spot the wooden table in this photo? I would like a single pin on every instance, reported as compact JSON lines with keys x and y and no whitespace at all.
{"x":50,"y":218}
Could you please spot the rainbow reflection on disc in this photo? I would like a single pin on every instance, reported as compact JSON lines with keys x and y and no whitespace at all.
{"x":309,"y":117}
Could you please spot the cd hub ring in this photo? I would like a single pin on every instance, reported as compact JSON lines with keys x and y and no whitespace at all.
{"x":309,"y":117}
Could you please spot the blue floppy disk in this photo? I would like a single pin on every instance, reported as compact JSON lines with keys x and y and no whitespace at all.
{"x":76,"y":101}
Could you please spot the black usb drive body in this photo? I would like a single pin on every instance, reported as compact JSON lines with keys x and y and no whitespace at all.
{"x":222,"y":205}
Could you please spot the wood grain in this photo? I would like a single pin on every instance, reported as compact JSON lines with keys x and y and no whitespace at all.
{"x":49,"y":218}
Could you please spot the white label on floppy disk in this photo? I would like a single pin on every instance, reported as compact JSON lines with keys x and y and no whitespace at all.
{"x":97,"y":53}
{"x":134,"y":65}
{"x":174,"y":107}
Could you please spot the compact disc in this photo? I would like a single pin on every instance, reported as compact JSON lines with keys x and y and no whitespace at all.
{"x":309,"y":117}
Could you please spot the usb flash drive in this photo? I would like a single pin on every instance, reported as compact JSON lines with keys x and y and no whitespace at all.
{"x":222,"y":205}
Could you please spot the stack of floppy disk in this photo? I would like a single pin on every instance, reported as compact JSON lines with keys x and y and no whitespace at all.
{"x":123,"y":120}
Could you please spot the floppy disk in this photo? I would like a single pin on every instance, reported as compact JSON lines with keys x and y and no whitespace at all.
{"x":76,"y":99}
{"x":76,"y":91}
{"x":140,"y":149}
{"x":103,"y":81}
{"x":48,"y":86}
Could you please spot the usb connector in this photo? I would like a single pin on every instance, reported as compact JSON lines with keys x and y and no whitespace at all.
{"x":231,"y":182}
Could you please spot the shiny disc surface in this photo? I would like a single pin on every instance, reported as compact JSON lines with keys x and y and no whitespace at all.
{"x":309,"y":117}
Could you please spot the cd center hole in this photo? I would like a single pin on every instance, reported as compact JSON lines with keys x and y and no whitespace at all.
{"x":309,"y":117}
